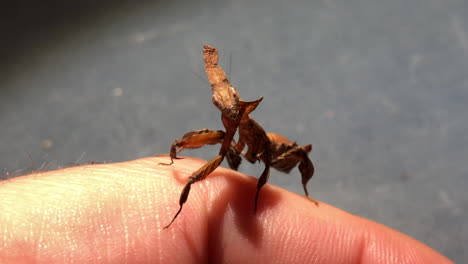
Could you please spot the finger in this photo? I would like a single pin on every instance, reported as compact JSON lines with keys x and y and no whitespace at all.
{"x":115,"y":212}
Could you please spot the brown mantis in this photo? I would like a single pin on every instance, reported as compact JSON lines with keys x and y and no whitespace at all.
{"x":272,"y":149}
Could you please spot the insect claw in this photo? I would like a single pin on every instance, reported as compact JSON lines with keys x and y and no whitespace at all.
{"x":314,"y":201}
{"x":173,"y":219}
{"x":168,"y":164}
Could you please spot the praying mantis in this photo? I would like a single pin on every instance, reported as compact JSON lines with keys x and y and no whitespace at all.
{"x":272,"y":149}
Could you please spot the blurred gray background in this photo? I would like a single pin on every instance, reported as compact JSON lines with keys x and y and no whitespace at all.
{"x":380,"y":88}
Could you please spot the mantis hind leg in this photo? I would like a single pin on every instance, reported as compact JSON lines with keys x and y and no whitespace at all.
{"x":261,"y":181}
{"x":307,"y":171}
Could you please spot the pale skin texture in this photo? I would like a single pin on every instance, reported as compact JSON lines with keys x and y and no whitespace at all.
{"x":114,"y":213}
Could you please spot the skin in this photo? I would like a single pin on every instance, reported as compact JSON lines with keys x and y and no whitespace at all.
{"x":114,"y":213}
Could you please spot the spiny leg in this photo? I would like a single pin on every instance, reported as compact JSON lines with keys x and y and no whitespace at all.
{"x":194,"y":139}
{"x":261,"y":181}
{"x":290,"y":158}
{"x":198,"y":175}
{"x":307,"y":171}
{"x":266,"y":158}
{"x":183,"y":198}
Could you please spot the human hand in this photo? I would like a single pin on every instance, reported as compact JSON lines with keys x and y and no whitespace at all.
{"x":114,"y":213}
